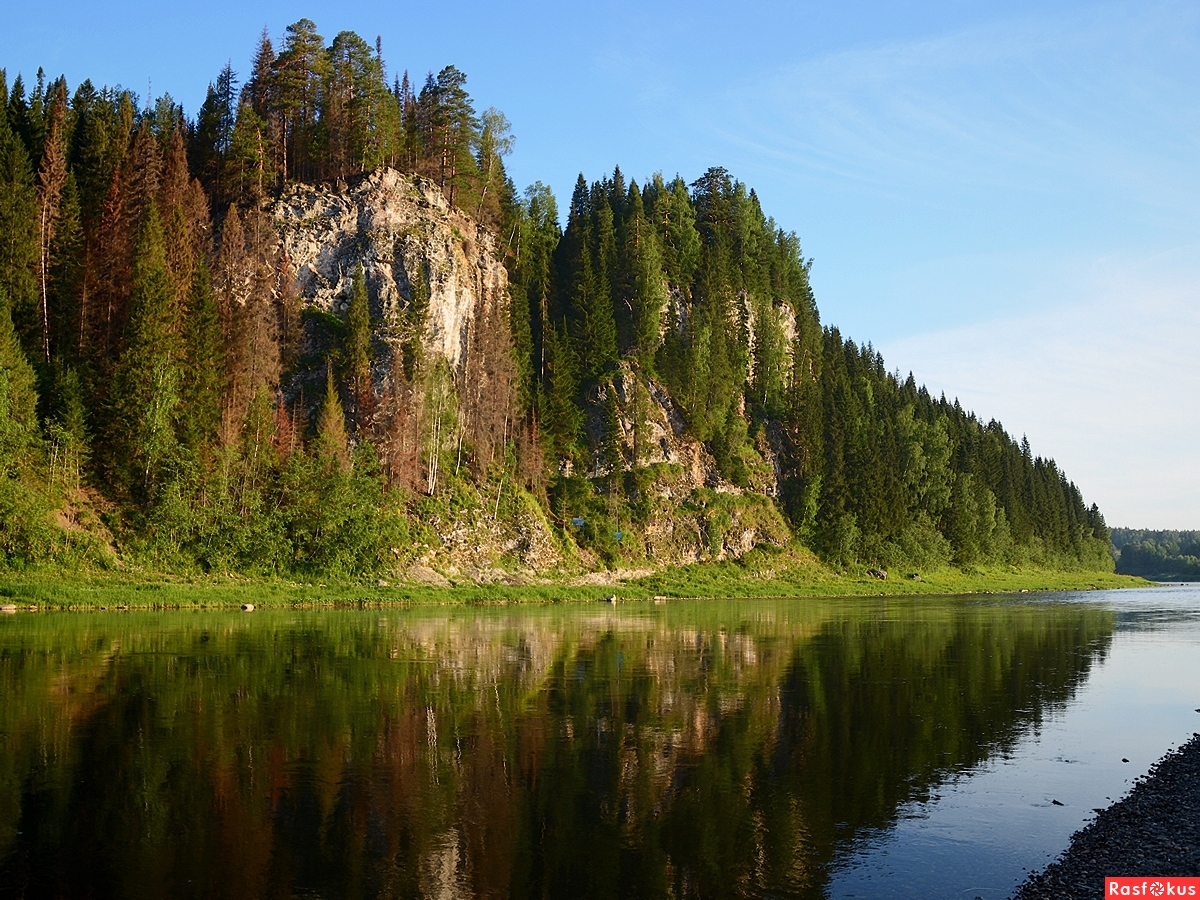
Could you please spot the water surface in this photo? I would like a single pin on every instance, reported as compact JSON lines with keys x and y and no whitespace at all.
{"x":802,"y":748}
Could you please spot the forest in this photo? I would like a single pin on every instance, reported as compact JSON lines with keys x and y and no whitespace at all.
{"x":1158,"y":555}
{"x":168,"y":399}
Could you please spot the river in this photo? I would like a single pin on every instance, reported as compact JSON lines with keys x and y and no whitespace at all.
{"x":851,"y":748}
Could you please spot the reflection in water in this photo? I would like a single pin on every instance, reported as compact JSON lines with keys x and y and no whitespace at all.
{"x":699,"y":749}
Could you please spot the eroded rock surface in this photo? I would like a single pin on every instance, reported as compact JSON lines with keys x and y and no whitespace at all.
{"x":401,"y":230}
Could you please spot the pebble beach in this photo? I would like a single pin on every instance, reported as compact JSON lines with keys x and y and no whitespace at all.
{"x":1153,"y":831}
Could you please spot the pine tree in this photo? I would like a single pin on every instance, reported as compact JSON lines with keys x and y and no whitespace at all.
{"x":448,"y":119}
{"x":296,"y":78}
{"x":359,"y":116}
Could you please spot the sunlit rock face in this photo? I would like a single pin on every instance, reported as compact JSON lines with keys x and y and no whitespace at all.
{"x":402,"y":231}
{"x":438,"y":290}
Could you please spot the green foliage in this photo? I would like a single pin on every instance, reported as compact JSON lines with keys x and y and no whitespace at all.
{"x":18,"y":235}
{"x":146,"y":394}
{"x":67,"y":431}
{"x":204,"y":388}
{"x":332,"y":447}
{"x":1159,"y":555}
{"x":415,"y":318}
{"x":19,"y":395}
{"x":26,"y":535}
{"x":187,"y":401}
{"x":358,"y":346}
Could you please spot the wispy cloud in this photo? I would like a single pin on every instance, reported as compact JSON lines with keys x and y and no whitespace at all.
{"x":1106,"y":385}
{"x":1043,"y":103}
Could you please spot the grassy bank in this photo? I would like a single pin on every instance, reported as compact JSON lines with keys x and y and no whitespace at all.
{"x":758,"y":575}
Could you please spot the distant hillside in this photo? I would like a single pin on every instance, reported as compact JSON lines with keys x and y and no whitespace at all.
{"x":1158,"y":555}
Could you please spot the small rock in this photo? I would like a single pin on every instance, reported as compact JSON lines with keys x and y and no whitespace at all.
{"x":1056,"y":803}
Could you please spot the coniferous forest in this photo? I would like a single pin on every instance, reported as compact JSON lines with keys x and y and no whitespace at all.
{"x":1158,"y":555}
{"x":168,"y":399}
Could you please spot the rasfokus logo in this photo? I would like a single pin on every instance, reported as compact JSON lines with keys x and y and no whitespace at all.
{"x":1152,"y":887}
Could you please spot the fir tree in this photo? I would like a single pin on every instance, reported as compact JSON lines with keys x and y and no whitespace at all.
{"x":358,"y":348}
{"x":203,"y":391}
{"x":146,"y":388}
{"x":332,"y":448}
{"x":19,"y":234}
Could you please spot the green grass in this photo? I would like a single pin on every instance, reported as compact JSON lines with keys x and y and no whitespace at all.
{"x":760,"y":574}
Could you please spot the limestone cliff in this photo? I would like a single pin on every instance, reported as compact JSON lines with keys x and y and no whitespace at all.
{"x":435,"y":282}
{"x":402,"y":231}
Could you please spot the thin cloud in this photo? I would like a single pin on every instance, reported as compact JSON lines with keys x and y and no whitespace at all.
{"x":1105,"y":385}
{"x":1043,"y":103}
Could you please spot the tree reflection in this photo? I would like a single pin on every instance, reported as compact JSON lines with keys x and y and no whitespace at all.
{"x":699,"y":750}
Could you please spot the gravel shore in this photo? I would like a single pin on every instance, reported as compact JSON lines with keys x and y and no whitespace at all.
{"x":1153,"y":831}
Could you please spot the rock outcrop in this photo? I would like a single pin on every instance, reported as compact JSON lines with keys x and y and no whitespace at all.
{"x":435,"y":283}
{"x":403,"y":232}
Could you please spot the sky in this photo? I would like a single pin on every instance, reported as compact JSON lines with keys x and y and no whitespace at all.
{"x":1002,"y":198}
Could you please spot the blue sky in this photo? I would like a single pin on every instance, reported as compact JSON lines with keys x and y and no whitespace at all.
{"x":1004,"y":198}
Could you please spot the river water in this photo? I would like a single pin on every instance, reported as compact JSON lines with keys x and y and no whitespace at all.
{"x":932,"y":747}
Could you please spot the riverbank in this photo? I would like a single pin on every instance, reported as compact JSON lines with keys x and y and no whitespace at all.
{"x":754,"y":578}
{"x":1154,"y":831}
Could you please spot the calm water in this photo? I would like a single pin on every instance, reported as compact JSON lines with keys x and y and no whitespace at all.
{"x":812,"y":749}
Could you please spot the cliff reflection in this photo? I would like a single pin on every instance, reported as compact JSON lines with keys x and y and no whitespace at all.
{"x":694,"y":750}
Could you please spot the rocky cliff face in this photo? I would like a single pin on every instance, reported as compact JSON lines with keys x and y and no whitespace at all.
{"x":434,"y":280}
{"x":404,"y":233}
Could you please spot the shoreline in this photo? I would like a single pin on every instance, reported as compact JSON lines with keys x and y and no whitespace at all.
{"x":1153,"y":831}
{"x":157,"y":591}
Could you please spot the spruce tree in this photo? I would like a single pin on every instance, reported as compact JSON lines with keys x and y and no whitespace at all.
{"x":66,"y":275}
{"x":204,"y":389}
{"x":19,"y":236}
{"x":143,"y":403}
{"x":20,"y":393}
{"x":358,"y":348}
{"x":52,"y":176}
{"x":644,"y":286}
{"x":332,"y":448}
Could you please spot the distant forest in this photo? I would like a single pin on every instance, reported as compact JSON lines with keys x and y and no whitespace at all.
{"x":1158,"y":555}
{"x":151,"y":342}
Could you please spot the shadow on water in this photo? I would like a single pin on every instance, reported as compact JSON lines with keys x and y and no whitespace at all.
{"x":701,"y":749}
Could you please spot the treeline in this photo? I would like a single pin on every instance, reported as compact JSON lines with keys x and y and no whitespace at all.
{"x":1158,"y":555}
{"x":156,"y":364}
{"x":153,"y":353}
{"x":692,"y":287}
{"x":311,"y":112}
